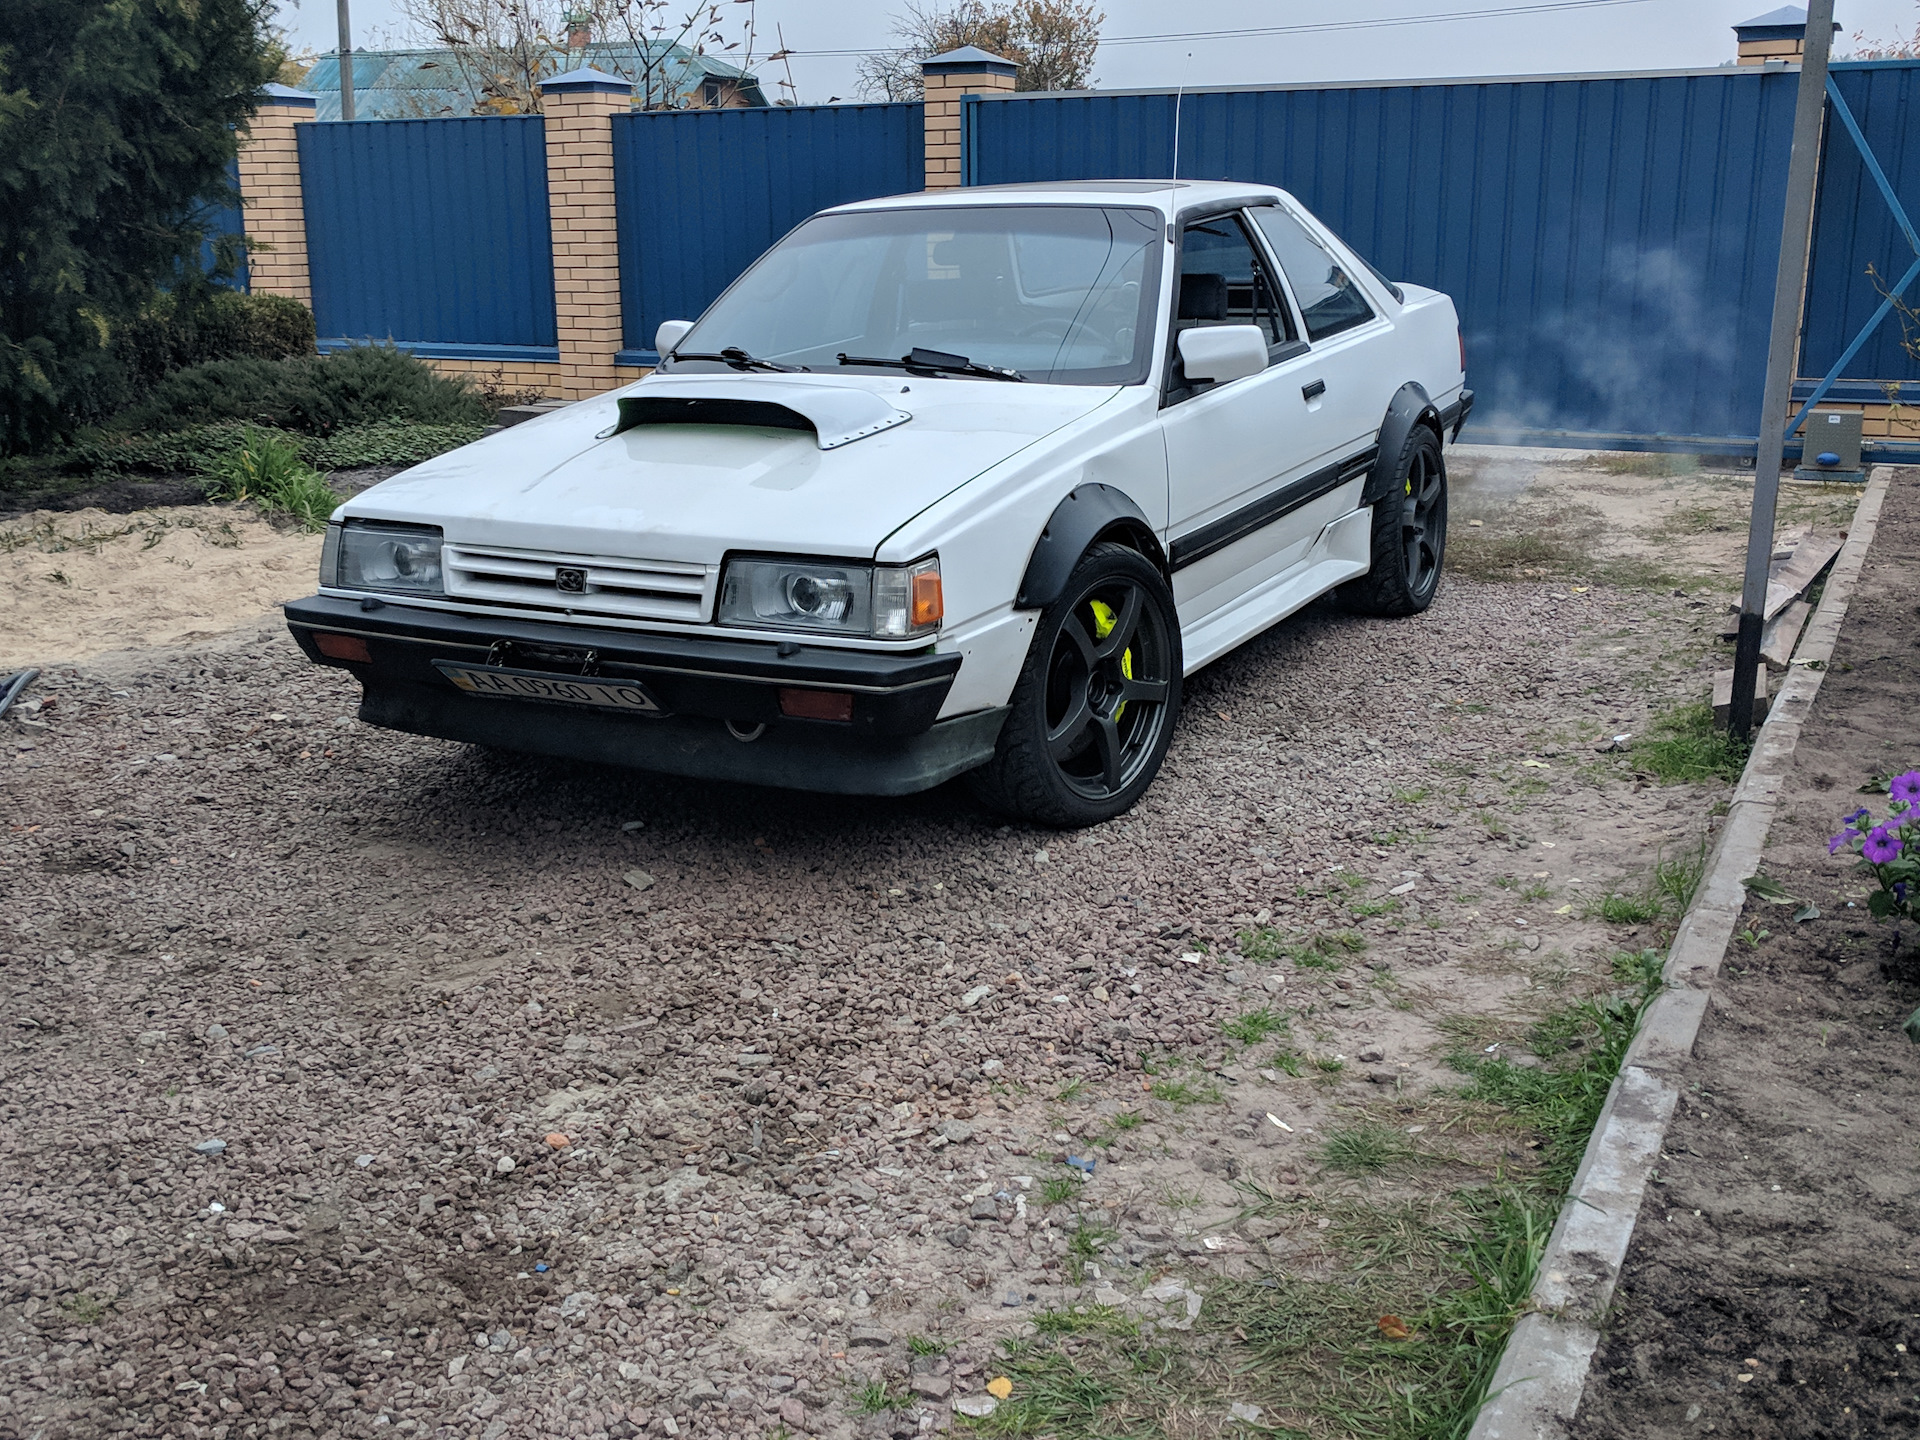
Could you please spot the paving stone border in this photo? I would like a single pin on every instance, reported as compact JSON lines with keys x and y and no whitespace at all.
{"x":1538,"y":1384}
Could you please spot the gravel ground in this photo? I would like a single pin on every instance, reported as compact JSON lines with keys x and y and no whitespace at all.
{"x":359,"y":1083}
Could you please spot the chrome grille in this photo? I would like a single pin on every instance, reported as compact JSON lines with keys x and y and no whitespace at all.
{"x":642,"y":589}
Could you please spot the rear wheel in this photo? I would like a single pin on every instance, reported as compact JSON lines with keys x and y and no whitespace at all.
{"x":1094,"y":707}
{"x":1409,"y":535}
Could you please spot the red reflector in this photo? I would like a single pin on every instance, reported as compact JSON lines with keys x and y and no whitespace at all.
{"x":342,"y":647}
{"x":816,"y":704}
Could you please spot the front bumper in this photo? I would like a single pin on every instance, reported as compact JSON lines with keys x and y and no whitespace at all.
{"x":891,"y":745}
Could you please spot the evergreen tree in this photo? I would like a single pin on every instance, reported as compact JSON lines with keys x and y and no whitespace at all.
{"x":117,"y":124}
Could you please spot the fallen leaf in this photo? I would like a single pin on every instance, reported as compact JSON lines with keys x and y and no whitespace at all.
{"x":1564,"y":910}
{"x":1394,"y":1328}
{"x":1537,"y":764}
{"x":1000,"y":1387}
{"x":1771,"y":891}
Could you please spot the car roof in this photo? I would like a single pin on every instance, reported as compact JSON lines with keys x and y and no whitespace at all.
{"x":1170,"y":197}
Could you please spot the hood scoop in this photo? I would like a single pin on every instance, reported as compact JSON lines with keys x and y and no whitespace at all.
{"x":836,"y":415}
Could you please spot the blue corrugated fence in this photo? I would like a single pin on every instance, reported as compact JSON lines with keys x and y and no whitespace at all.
{"x":1610,"y":242}
{"x":432,"y":234}
{"x":702,"y":192}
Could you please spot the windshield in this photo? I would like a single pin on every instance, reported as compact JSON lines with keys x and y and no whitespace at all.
{"x":1062,"y":294}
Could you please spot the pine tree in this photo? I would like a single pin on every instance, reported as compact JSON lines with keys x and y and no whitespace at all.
{"x":117,"y":125}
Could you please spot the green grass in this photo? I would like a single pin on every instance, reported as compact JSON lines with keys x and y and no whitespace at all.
{"x":1677,"y":880}
{"x":1085,"y":1244}
{"x":265,"y":469}
{"x":1687,"y":748}
{"x":1363,"y":1149}
{"x":878,"y":1395}
{"x":1127,"y":1120}
{"x":1372,"y":909}
{"x":1182,"y":1093}
{"x":1072,"y":1090}
{"x":1618,"y":909}
{"x":921,"y":1345}
{"x":1059,"y":1190}
{"x":1536,"y":891}
{"x":1455,"y":1268}
{"x":1287,"y":1061}
{"x":1255,"y":1026}
{"x":1329,"y":1064}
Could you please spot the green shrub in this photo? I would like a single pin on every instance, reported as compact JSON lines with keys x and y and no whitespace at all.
{"x":266,"y":469}
{"x":204,"y":322}
{"x":389,"y":442}
{"x":192,"y":451}
{"x":315,"y":395}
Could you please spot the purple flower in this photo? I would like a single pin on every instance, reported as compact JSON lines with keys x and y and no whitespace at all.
{"x":1841,"y":841}
{"x":1906,"y":787}
{"x":1882,"y":846}
{"x":1853,"y":820}
{"x":1899,"y":892}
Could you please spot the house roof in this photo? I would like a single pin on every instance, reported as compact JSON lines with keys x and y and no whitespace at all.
{"x":422,"y":84}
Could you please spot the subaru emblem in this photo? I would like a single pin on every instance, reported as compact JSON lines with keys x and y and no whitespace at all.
{"x":569,"y":581}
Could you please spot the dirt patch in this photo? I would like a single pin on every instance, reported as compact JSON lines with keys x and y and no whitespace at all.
{"x":1771,"y":1289}
{"x":83,"y":583}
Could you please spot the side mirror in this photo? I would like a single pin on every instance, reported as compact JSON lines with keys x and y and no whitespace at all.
{"x":670,"y":334}
{"x":1223,"y":352}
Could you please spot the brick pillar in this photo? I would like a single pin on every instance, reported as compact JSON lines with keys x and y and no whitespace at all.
{"x":1780,"y":35}
{"x":580,"y":107}
{"x":966,"y":71}
{"x":273,"y":215}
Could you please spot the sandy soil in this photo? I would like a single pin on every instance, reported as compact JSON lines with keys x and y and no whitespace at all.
{"x":82,"y":583}
{"x":1773,"y":1286}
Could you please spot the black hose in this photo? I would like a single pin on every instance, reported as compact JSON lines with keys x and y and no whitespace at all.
{"x":11,"y":687}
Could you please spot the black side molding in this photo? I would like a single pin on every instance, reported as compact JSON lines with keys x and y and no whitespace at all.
{"x":1408,"y":408}
{"x":1258,"y":514}
{"x":1455,"y":415}
{"x":1089,"y":513}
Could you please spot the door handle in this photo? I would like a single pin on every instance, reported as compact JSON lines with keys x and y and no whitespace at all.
{"x":1313,"y":390}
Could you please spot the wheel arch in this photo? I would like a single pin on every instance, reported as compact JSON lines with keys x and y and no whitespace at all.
{"x":1088,"y":515}
{"x":1409,"y":407}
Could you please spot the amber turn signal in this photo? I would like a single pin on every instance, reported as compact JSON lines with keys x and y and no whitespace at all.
{"x":928,"y":606}
{"x":342,"y":647}
{"x":816,"y":704}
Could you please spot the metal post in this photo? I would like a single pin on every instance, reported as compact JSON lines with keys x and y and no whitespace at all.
{"x":346,"y":64}
{"x":1795,"y":225}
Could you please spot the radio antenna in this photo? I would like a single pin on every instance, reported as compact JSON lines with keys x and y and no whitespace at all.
{"x":1179,"y":97}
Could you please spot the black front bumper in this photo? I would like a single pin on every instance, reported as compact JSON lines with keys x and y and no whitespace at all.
{"x":893,"y":744}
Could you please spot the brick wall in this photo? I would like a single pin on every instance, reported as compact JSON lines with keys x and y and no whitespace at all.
{"x":945,"y":84}
{"x":275,"y":220}
{"x":586,"y":242}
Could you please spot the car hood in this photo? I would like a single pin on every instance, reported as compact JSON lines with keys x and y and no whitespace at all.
{"x":691,"y":492}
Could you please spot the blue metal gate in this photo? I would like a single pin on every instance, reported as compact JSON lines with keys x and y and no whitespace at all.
{"x":1610,"y":241}
{"x":432,"y":234}
{"x":702,"y":192}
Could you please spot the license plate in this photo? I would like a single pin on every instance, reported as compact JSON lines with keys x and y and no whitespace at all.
{"x":562,"y":689}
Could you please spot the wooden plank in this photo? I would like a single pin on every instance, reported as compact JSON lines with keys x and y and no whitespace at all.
{"x":1788,"y":579}
{"x":1723,"y":694}
{"x":1783,"y":633}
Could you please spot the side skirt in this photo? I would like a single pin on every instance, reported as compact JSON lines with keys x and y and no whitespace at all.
{"x":1340,"y":552}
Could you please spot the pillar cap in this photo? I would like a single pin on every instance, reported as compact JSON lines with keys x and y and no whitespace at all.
{"x":586,"y":81}
{"x":287,"y":95}
{"x":1789,"y":22}
{"x":968,"y":60}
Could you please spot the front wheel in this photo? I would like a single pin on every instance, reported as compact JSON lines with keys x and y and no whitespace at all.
{"x":1094,"y":706}
{"x":1409,"y":535}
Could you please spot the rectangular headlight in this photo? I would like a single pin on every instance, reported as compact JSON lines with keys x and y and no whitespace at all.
{"x":387,"y":555}
{"x":831,"y":597}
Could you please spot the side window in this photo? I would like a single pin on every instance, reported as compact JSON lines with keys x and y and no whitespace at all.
{"x":1223,"y":281}
{"x":1329,"y":301}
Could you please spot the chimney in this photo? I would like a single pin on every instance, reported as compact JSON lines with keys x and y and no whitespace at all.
{"x":1779,"y":36}
{"x":579,"y":31}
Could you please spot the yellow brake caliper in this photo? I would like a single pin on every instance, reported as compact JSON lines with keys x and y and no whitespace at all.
{"x":1103,"y":623}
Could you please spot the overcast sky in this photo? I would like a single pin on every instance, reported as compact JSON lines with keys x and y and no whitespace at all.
{"x":1614,"y":35}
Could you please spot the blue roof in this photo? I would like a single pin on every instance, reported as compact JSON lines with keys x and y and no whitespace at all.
{"x":423,"y":84}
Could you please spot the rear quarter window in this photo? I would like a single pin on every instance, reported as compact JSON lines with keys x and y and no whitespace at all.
{"x":1329,"y":300}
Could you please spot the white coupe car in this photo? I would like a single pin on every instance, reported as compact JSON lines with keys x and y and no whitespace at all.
{"x":945,"y":484}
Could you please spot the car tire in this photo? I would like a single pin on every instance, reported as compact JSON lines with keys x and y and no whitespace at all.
{"x":1094,"y":708}
{"x":1409,"y":543}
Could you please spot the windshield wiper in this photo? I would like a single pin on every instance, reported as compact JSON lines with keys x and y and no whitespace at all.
{"x":740,"y":360}
{"x":935,"y":362}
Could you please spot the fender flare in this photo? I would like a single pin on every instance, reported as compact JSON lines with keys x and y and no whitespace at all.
{"x":1409,"y":407}
{"x":1090,"y":513}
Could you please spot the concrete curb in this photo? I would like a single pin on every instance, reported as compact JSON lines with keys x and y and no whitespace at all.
{"x":1538,"y":1384}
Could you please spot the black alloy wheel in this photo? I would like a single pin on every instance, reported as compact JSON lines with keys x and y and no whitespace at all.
{"x":1409,"y":540}
{"x":1094,"y":708}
